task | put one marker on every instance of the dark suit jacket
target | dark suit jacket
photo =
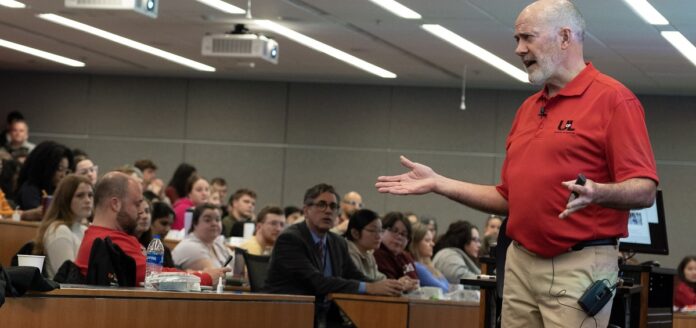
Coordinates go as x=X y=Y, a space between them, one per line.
x=296 y=269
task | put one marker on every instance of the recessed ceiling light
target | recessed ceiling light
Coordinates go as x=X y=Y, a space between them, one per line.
x=126 y=42
x=397 y=9
x=682 y=44
x=41 y=53
x=325 y=48
x=646 y=11
x=223 y=6
x=483 y=54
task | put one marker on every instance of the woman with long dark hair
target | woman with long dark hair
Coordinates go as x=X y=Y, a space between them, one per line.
x=177 y=185
x=364 y=235
x=456 y=252
x=685 y=295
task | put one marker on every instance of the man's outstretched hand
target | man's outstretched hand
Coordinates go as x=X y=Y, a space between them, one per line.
x=420 y=179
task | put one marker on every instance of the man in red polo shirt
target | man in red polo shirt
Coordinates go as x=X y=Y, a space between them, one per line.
x=117 y=200
x=582 y=121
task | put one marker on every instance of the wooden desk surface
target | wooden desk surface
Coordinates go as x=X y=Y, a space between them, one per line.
x=13 y=235
x=136 y=307
x=684 y=320
x=368 y=311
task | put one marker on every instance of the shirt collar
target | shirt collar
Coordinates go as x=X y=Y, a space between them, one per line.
x=316 y=237
x=578 y=85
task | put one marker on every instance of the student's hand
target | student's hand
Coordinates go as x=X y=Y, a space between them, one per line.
x=388 y=287
x=409 y=284
x=216 y=273
x=419 y=180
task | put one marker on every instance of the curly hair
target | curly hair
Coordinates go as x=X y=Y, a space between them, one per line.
x=42 y=163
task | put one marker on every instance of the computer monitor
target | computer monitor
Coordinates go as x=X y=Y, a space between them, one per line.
x=647 y=231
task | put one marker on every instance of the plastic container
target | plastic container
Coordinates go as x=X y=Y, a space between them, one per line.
x=177 y=282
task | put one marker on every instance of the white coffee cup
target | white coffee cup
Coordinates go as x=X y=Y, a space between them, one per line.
x=31 y=260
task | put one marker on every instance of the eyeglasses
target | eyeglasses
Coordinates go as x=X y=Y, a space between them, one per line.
x=476 y=240
x=374 y=231
x=354 y=203
x=322 y=206
x=64 y=169
x=402 y=234
x=86 y=170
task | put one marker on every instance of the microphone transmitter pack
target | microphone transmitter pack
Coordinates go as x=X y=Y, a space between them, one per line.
x=595 y=298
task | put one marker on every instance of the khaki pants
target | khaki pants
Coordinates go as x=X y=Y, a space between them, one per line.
x=543 y=292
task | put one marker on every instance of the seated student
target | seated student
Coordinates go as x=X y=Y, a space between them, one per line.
x=391 y=257
x=202 y=248
x=60 y=233
x=308 y=259
x=292 y=215
x=86 y=167
x=240 y=208
x=490 y=234
x=177 y=185
x=364 y=235
x=197 y=193
x=421 y=249
x=685 y=295
x=456 y=252
x=5 y=208
x=117 y=199
x=144 y=219
x=49 y=163
x=162 y=217
x=269 y=224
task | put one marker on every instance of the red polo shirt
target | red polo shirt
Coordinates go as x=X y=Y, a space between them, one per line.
x=128 y=245
x=594 y=126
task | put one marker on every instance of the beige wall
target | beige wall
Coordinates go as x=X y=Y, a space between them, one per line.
x=280 y=138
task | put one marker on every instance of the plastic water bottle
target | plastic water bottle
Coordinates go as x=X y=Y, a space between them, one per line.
x=155 y=259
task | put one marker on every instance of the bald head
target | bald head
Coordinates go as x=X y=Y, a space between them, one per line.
x=118 y=198
x=556 y=14
x=351 y=202
x=111 y=185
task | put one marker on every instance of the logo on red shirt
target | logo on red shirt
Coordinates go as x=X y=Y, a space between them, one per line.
x=566 y=126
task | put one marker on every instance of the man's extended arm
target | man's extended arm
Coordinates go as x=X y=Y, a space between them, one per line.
x=422 y=179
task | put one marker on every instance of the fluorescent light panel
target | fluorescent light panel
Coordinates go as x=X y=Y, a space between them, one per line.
x=646 y=11
x=325 y=48
x=126 y=42
x=223 y=6
x=397 y=9
x=483 y=54
x=41 y=53
x=682 y=44
x=12 y=4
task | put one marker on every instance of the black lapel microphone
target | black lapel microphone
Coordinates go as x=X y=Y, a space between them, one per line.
x=542 y=112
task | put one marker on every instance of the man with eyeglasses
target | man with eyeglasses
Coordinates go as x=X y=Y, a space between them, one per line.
x=308 y=259
x=351 y=203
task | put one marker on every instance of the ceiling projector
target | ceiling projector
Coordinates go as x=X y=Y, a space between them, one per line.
x=145 y=7
x=240 y=44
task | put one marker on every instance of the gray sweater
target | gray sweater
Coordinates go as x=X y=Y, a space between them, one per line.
x=455 y=264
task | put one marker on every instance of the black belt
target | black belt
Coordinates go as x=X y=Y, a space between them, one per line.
x=596 y=242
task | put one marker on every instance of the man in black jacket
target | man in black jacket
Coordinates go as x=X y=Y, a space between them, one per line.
x=308 y=259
